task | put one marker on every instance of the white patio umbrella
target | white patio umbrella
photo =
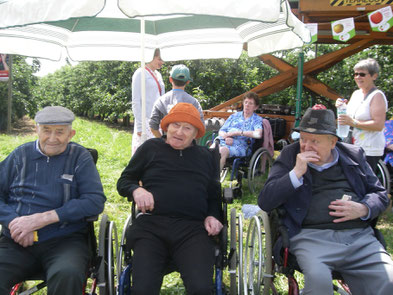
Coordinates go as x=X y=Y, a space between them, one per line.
x=111 y=30
x=115 y=29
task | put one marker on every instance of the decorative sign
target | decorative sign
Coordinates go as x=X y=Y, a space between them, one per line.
x=313 y=27
x=4 y=69
x=381 y=20
x=343 y=29
x=359 y=2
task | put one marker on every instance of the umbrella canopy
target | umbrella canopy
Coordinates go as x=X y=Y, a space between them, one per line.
x=111 y=29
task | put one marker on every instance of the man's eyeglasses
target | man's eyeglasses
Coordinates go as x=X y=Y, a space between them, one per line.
x=360 y=74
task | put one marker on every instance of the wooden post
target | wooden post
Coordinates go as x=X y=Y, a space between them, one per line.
x=9 y=103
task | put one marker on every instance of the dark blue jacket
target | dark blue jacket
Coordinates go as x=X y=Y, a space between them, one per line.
x=69 y=183
x=278 y=189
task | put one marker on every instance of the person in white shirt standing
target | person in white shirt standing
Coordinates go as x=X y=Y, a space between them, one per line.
x=366 y=111
x=154 y=89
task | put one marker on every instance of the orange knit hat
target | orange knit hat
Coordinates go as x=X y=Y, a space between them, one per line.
x=184 y=112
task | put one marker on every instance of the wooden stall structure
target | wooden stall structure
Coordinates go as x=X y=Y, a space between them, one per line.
x=321 y=12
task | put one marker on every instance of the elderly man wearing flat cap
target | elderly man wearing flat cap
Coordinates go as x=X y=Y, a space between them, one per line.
x=47 y=189
x=172 y=181
x=330 y=196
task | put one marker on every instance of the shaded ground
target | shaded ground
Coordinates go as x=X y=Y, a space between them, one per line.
x=23 y=126
x=26 y=126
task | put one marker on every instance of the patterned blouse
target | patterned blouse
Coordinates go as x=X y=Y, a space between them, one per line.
x=237 y=122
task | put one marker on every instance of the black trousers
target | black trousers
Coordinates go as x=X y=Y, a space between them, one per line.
x=159 y=241
x=63 y=261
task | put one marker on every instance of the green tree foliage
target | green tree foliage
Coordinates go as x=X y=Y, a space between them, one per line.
x=22 y=90
x=103 y=89
x=91 y=89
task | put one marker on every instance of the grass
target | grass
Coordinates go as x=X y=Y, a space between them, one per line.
x=114 y=149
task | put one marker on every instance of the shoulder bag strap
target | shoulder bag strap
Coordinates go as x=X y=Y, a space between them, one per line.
x=155 y=78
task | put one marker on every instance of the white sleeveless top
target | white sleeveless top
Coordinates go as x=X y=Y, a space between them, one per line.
x=373 y=142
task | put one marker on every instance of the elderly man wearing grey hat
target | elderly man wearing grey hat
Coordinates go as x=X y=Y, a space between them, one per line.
x=179 y=78
x=331 y=196
x=47 y=189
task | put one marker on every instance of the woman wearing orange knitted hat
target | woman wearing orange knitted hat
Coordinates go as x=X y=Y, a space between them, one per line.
x=179 y=203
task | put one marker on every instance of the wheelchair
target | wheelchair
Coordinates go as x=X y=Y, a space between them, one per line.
x=268 y=228
x=101 y=269
x=255 y=168
x=225 y=258
x=383 y=173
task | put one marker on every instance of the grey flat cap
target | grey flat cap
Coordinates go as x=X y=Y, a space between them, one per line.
x=54 y=115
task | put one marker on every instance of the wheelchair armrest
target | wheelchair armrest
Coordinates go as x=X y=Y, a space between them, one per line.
x=228 y=195
x=94 y=154
x=91 y=218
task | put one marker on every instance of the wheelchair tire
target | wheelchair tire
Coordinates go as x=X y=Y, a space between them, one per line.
x=268 y=265
x=106 y=246
x=383 y=175
x=258 y=257
x=236 y=261
x=258 y=170
x=123 y=267
x=121 y=263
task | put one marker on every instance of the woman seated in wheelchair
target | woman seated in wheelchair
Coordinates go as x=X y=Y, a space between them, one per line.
x=239 y=128
x=179 y=202
x=330 y=195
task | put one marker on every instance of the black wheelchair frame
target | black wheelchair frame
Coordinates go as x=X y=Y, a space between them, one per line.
x=254 y=168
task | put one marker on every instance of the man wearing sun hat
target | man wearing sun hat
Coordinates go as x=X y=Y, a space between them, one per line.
x=180 y=205
x=331 y=196
x=179 y=78
x=47 y=189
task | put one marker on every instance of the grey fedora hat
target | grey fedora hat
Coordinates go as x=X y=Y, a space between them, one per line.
x=318 y=122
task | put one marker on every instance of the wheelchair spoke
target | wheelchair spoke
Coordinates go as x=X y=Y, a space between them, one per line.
x=258 y=258
x=258 y=171
x=236 y=245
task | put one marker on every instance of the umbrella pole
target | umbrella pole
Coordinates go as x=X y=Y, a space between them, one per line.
x=299 y=88
x=143 y=80
x=9 y=103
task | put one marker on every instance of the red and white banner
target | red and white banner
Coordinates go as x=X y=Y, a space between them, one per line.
x=4 y=69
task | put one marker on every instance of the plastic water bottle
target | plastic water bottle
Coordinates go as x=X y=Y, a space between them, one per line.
x=342 y=130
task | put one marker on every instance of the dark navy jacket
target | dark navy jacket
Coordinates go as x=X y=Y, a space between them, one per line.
x=278 y=189
x=69 y=183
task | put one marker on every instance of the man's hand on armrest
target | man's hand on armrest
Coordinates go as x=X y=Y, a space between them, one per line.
x=212 y=225
x=143 y=199
x=22 y=228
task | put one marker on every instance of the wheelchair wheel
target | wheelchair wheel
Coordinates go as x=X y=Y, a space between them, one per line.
x=383 y=175
x=236 y=261
x=258 y=256
x=258 y=170
x=121 y=259
x=107 y=250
